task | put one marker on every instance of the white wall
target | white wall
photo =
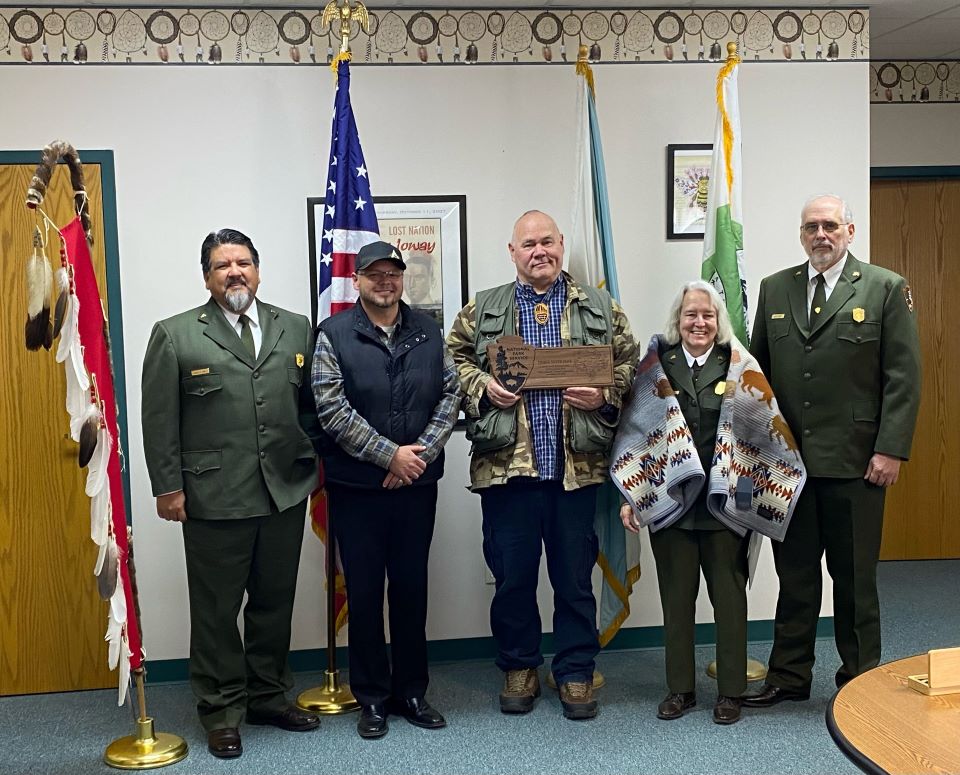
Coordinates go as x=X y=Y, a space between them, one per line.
x=914 y=135
x=201 y=148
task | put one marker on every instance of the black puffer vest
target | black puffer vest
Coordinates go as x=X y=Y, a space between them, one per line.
x=395 y=392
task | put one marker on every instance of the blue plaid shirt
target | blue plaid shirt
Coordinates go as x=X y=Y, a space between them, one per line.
x=544 y=407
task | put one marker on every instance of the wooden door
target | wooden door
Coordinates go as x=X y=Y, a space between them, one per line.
x=915 y=232
x=52 y=622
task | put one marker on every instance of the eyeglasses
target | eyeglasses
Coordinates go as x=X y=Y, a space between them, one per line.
x=377 y=276
x=829 y=227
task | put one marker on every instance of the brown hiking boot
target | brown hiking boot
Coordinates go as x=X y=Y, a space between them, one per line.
x=520 y=689
x=576 y=697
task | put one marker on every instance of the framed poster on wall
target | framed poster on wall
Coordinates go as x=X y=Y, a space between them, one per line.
x=688 y=180
x=431 y=233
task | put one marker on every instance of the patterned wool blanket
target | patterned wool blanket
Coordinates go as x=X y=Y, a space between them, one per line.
x=756 y=475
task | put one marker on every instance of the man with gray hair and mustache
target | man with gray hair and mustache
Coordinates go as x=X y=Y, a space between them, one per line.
x=228 y=416
x=837 y=339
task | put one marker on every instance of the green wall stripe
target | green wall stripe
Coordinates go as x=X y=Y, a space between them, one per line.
x=466 y=649
x=933 y=171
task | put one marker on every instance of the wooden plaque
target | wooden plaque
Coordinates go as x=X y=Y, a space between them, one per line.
x=520 y=366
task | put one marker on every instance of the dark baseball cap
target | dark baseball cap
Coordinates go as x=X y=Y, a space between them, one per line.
x=378 y=251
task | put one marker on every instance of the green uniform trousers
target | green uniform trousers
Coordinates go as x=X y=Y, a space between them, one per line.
x=225 y=558
x=680 y=554
x=844 y=519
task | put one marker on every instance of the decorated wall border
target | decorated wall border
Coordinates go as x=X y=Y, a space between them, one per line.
x=253 y=36
x=913 y=81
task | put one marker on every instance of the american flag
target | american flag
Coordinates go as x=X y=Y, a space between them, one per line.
x=349 y=223
x=349 y=218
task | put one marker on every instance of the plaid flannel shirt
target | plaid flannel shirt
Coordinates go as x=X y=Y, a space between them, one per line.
x=544 y=407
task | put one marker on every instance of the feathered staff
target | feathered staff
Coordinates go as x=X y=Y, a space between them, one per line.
x=38 y=331
x=84 y=351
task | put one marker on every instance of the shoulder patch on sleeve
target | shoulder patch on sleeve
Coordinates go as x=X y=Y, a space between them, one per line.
x=908 y=297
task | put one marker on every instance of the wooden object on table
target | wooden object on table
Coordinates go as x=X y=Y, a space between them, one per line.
x=942 y=676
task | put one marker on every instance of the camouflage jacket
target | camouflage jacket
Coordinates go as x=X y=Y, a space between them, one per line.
x=497 y=466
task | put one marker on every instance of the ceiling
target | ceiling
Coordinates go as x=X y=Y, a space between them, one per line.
x=899 y=29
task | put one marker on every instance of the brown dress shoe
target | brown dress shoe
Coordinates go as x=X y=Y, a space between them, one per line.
x=674 y=705
x=291 y=718
x=726 y=711
x=225 y=743
x=770 y=695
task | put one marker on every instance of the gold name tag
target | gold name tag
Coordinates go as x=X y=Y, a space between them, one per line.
x=720 y=388
x=777 y=316
x=198 y=372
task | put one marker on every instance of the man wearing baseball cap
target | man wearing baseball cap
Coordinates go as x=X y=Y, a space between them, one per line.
x=387 y=397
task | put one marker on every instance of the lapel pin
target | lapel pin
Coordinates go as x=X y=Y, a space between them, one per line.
x=856 y=274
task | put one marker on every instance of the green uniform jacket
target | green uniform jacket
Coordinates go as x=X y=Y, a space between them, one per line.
x=851 y=386
x=233 y=433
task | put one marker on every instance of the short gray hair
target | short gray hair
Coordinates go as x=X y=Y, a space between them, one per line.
x=847 y=212
x=671 y=331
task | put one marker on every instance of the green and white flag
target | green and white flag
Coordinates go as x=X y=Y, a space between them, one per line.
x=723 y=232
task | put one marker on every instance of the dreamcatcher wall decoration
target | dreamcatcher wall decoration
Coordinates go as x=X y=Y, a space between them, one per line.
x=436 y=36
x=909 y=82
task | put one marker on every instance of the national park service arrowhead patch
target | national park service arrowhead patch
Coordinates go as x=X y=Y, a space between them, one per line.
x=908 y=297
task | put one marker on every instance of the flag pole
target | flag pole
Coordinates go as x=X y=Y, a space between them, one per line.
x=756 y=671
x=335 y=697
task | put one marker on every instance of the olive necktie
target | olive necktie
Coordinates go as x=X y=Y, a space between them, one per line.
x=246 y=335
x=819 y=299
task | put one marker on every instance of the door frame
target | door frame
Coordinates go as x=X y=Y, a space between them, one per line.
x=108 y=184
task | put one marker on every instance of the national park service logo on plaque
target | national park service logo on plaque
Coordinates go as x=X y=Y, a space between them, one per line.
x=511 y=360
x=518 y=365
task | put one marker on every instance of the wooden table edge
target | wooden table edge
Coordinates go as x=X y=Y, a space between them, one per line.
x=848 y=749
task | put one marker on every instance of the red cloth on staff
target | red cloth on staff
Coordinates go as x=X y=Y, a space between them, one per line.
x=96 y=357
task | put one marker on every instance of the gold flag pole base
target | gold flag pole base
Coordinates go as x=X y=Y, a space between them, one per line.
x=331 y=699
x=146 y=749
x=756 y=671
x=598 y=680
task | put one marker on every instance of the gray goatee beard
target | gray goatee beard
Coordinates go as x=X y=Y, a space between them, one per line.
x=238 y=299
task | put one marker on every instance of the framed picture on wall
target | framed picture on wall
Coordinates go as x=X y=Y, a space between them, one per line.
x=688 y=179
x=431 y=232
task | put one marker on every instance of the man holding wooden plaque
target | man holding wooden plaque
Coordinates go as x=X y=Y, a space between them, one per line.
x=541 y=422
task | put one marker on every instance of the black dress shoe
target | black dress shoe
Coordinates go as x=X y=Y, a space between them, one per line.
x=674 y=705
x=372 y=722
x=726 y=711
x=224 y=743
x=419 y=712
x=291 y=718
x=770 y=695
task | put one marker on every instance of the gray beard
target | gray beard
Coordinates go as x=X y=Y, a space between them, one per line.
x=238 y=299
